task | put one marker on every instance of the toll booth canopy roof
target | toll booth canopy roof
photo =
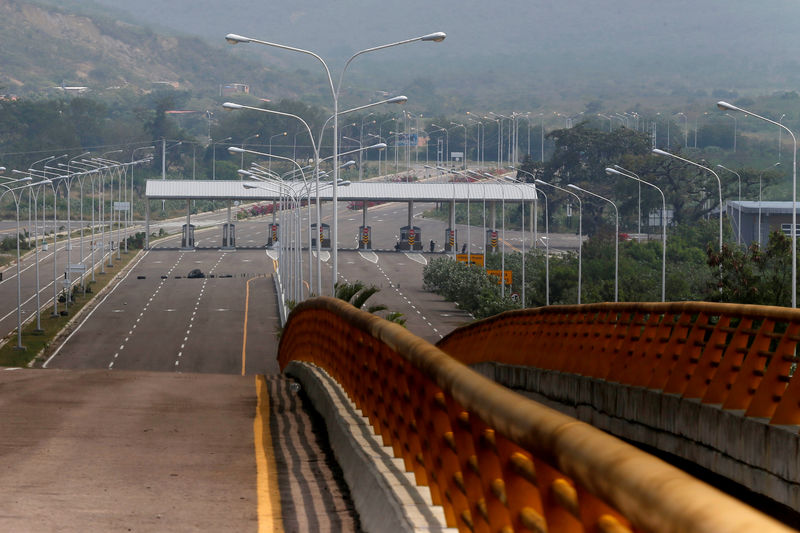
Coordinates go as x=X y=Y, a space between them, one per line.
x=355 y=192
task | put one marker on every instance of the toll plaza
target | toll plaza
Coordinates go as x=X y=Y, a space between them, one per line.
x=364 y=194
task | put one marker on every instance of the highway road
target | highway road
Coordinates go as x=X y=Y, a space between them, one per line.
x=156 y=318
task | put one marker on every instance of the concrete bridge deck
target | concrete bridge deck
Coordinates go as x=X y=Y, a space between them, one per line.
x=98 y=450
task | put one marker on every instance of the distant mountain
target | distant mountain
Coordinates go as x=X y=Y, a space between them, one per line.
x=505 y=55
x=44 y=48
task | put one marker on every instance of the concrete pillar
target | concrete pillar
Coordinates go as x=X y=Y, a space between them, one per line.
x=146 y=224
x=410 y=214
x=364 y=214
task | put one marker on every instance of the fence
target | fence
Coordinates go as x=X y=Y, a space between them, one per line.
x=494 y=460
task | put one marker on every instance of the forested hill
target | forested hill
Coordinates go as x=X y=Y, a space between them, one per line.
x=44 y=46
x=511 y=54
x=510 y=49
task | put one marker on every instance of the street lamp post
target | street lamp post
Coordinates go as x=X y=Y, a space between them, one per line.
x=760 y=176
x=698 y=165
x=739 y=223
x=619 y=171
x=361 y=142
x=432 y=37
x=616 y=236
x=465 y=142
x=734 y=130
x=380 y=134
x=546 y=249
x=580 y=229
x=130 y=207
x=685 y=127
x=446 y=158
x=269 y=162
x=730 y=107
x=214 y=156
x=35 y=196
x=254 y=136
x=12 y=190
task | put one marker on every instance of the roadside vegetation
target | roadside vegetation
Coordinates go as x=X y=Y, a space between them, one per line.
x=696 y=270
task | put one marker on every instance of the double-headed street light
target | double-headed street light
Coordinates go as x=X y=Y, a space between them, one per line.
x=465 y=142
x=269 y=163
x=616 y=236
x=739 y=223
x=619 y=171
x=232 y=38
x=580 y=228
x=725 y=106
x=698 y=165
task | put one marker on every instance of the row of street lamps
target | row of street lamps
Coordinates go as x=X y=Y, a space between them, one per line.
x=54 y=176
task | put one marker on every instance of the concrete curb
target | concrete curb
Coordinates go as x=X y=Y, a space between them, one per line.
x=385 y=495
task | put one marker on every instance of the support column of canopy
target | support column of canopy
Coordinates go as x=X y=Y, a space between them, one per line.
x=365 y=235
x=454 y=242
x=146 y=224
x=228 y=235
x=188 y=234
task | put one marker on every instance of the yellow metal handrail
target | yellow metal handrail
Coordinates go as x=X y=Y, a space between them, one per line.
x=494 y=460
x=739 y=357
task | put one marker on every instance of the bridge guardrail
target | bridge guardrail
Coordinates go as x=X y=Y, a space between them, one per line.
x=739 y=357
x=493 y=459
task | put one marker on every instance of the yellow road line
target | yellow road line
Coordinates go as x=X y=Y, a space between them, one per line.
x=269 y=503
x=244 y=332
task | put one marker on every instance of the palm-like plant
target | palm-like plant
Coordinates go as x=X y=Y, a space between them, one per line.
x=357 y=294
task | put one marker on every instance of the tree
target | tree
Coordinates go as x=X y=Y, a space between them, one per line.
x=581 y=155
x=357 y=294
x=753 y=275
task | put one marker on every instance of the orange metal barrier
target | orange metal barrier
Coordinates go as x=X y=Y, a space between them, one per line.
x=740 y=357
x=494 y=460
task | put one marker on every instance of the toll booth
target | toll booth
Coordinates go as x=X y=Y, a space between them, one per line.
x=324 y=236
x=450 y=239
x=187 y=236
x=228 y=235
x=273 y=229
x=492 y=241
x=365 y=237
x=410 y=238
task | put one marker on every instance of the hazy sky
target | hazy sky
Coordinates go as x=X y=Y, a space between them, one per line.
x=586 y=47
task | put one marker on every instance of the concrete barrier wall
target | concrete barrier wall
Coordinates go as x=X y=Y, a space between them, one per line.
x=384 y=494
x=748 y=451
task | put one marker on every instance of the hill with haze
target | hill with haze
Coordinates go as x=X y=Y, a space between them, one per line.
x=511 y=54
